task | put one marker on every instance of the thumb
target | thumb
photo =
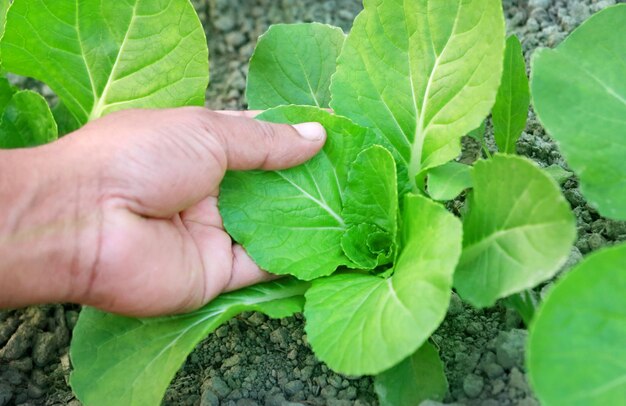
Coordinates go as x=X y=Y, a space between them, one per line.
x=252 y=144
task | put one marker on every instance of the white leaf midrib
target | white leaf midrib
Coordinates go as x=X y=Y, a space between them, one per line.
x=100 y=101
x=320 y=202
x=417 y=144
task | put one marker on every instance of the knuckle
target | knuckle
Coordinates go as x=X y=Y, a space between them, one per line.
x=267 y=132
x=269 y=138
x=212 y=135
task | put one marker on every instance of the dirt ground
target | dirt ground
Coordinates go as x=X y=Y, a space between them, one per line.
x=256 y=361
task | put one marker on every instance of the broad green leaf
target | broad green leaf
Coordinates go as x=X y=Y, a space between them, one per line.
x=577 y=342
x=290 y=221
x=6 y=93
x=65 y=120
x=478 y=133
x=447 y=181
x=518 y=232
x=364 y=324
x=557 y=173
x=579 y=94
x=26 y=121
x=421 y=73
x=103 y=56
x=417 y=378
x=125 y=361
x=4 y=8
x=292 y=64
x=511 y=108
x=370 y=208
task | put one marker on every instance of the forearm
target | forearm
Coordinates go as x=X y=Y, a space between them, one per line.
x=42 y=229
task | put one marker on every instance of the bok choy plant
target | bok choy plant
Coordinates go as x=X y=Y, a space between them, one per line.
x=369 y=252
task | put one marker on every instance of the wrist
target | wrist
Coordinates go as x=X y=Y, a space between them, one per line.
x=47 y=236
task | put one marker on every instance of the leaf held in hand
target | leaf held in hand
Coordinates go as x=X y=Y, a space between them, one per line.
x=290 y=221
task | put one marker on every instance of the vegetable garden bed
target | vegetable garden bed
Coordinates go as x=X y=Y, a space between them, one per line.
x=254 y=360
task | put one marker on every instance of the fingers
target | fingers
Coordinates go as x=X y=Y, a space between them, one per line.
x=245 y=272
x=227 y=267
x=161 y=162
x=240 y=113
x=251 y=144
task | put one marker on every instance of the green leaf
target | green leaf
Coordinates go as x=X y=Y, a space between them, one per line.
x=422 y=74
x=125 y=361
x=364 y=324
x=290 y=221
x=65 y=120
x=370 y=208
x=518 y=232
x=511 y=109
x=478 y=133
x=524 y=303
x=579 y=94
x=576 y=350
x=447 y=181
x=100 y=57
x=557 y=173
x=292 y=64
x=4 y=8
x=417 y=378
x=27 y=121
x=6 y=93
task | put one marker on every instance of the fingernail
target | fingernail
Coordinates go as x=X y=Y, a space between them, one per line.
x=310 y=131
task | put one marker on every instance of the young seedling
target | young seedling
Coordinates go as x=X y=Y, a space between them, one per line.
x=511 y=108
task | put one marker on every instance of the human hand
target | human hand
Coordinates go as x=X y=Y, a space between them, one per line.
x=140 y=230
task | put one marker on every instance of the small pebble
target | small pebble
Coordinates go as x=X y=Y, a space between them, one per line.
x=494 y=370
x=518 y=380
x=544 y=4
x=473 y=385
x=6 y=393
x=329 y=392
x=231 y=361
x=19 y=342
x=510 y=348
x=44 y=348
x=293 y=387
x=219 y=387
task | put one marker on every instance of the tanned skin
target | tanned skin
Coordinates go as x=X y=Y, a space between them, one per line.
x=122 y=214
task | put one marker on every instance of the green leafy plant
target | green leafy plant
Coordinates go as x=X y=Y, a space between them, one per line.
x=25 y=118
x=511 y=107
x=372 y=256
x=576 y=353
x=578 y=94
